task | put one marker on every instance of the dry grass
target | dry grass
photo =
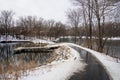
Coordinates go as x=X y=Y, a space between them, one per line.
x=12 y=71
x=62 y=52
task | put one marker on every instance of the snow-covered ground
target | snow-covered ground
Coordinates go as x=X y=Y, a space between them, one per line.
x=114 y=38
x=83 y=37
x=9 y=38
x=63 y=69
x=34 y=40
x=41 y=41
x=60 y=69
x=111 y=65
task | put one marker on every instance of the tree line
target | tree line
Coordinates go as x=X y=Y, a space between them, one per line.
x=90 y=18
x=30 y=26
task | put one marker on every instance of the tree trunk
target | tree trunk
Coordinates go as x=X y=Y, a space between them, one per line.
x=90 y=23
x=100 y=47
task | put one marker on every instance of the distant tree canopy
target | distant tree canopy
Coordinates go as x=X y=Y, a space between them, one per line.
x=34 y=26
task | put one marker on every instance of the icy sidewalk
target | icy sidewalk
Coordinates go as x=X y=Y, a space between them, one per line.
x=110 y=64
x=57 y=70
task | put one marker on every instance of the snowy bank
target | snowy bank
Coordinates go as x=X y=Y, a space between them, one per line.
x=34 y=40
x=114 y=38
x=60 y=69
x=110 y=64
x=41 y=41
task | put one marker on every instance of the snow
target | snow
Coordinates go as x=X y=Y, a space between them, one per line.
x=83 y=37
x=63 y=69
x=114 y=38
x=34 y=40
x=110 y=64
x=42 y=41
x=9 y=38
x=57 y=70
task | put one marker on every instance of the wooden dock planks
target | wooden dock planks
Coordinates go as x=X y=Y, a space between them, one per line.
x=34 y=50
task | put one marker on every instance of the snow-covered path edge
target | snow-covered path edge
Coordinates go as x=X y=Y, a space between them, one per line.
x=62 y=70
x=110 y=64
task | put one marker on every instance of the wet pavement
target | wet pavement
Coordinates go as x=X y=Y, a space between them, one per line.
x=93 y=70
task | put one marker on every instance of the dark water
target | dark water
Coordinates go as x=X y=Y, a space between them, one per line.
x=19 y=64
x=9 y=59
x=93 y=70
x=111 y=48
x=6 y=51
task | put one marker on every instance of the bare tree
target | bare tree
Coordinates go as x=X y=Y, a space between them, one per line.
x=26 y=24
x=97 y=9
x=86 y=7
x=6 y=19
x=100 y=9
x=50 y=24
x=74 y=17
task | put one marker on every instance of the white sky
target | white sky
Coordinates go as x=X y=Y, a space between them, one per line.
x=47 y=9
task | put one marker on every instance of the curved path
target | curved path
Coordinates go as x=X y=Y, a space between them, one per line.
x=93 y=70
x=110 y=65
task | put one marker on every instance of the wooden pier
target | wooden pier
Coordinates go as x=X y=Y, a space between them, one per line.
x=20 y=50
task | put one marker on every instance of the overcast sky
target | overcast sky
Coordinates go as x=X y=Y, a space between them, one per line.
x=47 y=9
